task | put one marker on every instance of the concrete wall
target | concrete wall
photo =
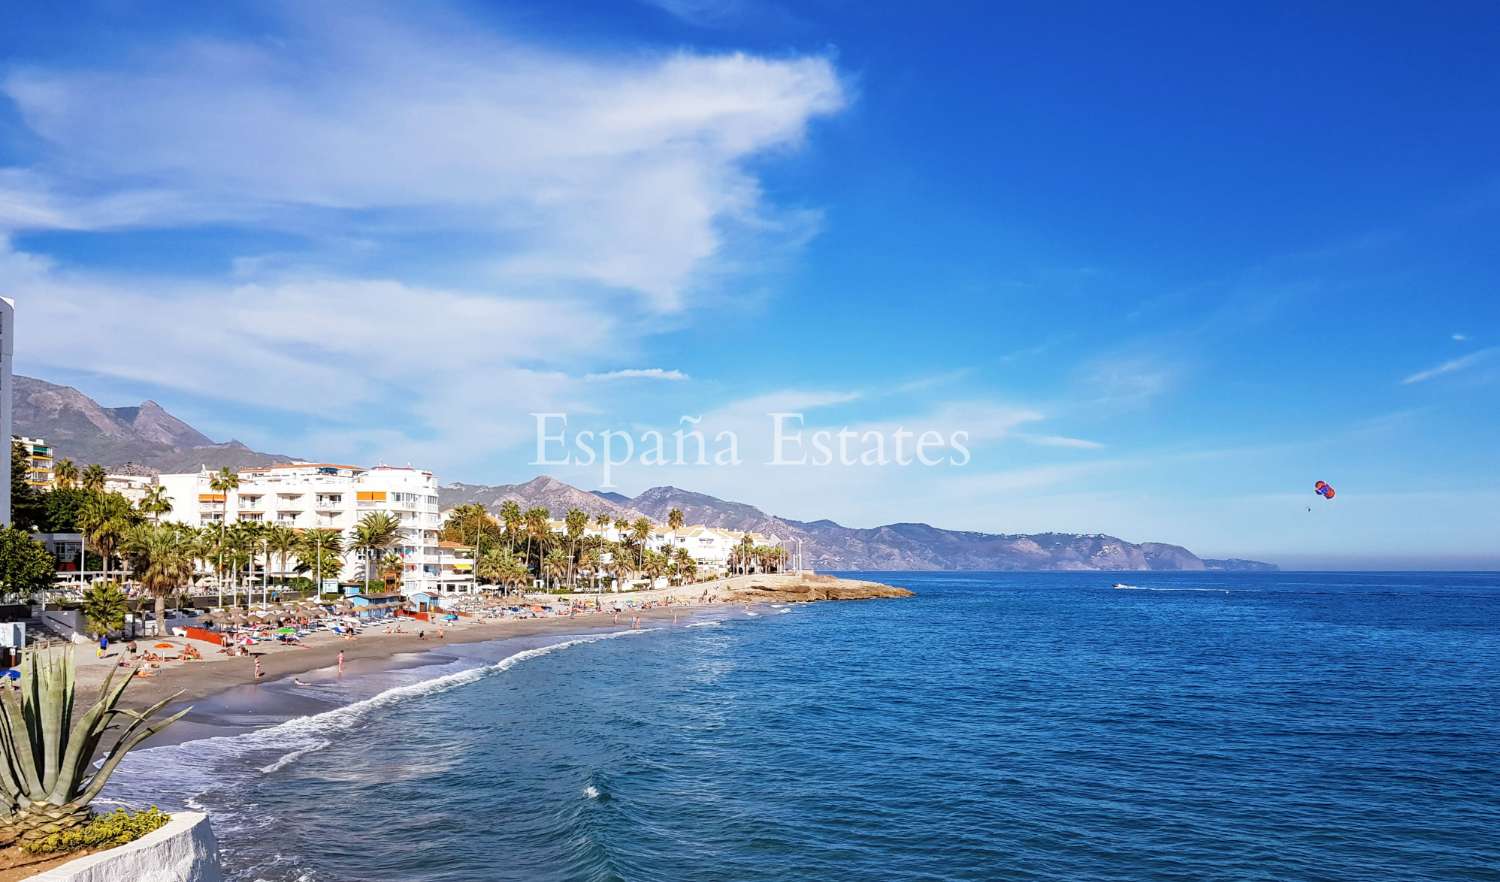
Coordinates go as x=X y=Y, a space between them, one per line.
x=64 y=621
x=182 y=851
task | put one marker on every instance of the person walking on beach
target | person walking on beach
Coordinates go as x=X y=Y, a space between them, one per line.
x=341 y=663
x=103 y=645
x=258 y=672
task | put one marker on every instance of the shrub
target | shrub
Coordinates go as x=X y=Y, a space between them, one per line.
x=116 y=828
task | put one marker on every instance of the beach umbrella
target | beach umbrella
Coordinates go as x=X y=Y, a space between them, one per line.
x=164 y=646
x=286 y=630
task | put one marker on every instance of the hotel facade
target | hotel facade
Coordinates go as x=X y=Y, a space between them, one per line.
x=304 y=495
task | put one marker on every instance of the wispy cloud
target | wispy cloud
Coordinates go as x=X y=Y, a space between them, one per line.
x=546 y=161
x=637 y=374
x=1062 y=441
x=1460 y=338
x=1453 y=365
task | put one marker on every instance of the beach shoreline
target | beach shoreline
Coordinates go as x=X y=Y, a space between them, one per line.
x=386 y=645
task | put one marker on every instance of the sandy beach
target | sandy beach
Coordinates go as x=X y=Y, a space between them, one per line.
x=380 y=642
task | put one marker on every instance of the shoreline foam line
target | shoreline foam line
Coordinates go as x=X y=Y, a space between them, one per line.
x=309 y=734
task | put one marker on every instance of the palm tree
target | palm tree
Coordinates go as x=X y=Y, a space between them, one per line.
x=640 y=531
x=536 y=528
x=93 y=478
x=588 y=561
x=510 y=515
x=654 y=564
x=162 y=557
x=65 y=474
x=240 y=542
x=619 y=567
x=601 y=520
x=103 y=520
x=577 y=520
x=674 y=519
x=104 y=608
x=391 y=567
x=222 y=483
x=556 y=566
x=155 y=503
x=282 y=541
x=746 y=546
x=375 y=534
x=686 y=566
x=316 y=548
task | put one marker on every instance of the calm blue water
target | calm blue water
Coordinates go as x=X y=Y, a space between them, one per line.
x=998 y=726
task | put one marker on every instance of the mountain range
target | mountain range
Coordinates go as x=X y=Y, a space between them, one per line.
x=147 y=437
x=830 y=546
x=143 y=437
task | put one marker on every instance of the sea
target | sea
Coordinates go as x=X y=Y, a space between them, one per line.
x=1185 y=726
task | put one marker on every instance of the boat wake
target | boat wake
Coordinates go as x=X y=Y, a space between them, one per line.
x=1123 y=587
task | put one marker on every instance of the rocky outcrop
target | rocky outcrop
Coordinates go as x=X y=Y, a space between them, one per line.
x=807 y=589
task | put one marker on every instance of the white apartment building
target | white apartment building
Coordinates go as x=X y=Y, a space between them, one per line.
x=38 y=460
x=305 y=495
x=132 y=487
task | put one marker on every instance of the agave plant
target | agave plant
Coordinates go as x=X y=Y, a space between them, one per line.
x=46 y=758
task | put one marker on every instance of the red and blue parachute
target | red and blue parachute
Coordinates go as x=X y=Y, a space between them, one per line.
x=1323 y=489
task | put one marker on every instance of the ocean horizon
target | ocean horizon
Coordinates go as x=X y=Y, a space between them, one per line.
x=1256 y=726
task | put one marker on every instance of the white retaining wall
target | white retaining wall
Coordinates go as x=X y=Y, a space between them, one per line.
x=182 y=851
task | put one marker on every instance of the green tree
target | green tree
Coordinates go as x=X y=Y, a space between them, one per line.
x=640 y=531
x=687 y=568
x=577 y=520
x=555 y=566
x=375 y=534
x=104 y=608
x=675 y=519
x=500 y=566
x=65 y=474
x=155 y=503
x=536 y=531
x=26 y=509
x=25 y=566
x=103 y=521
x=162 y=557
x=588 y=561
x=511 y=517
x=93 y=478
x=223 y=483
x=321 y=551
x=60 y=508
x=281 y=541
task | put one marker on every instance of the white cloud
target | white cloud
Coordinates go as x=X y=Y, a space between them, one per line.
x=1460 y=338
x=569 y=192
x=620 y=173
x=638 y=374
x=1451 y=366
x=1062 y=441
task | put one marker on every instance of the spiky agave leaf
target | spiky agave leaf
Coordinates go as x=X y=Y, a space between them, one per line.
x=45 y=757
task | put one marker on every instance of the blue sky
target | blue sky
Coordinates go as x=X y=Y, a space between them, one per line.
x=1167 y=266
